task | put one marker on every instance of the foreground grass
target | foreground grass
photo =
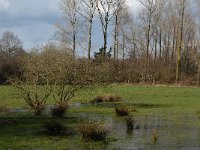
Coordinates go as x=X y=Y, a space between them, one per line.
x=25 y=130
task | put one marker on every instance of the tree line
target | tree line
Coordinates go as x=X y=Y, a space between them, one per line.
x=157 y=43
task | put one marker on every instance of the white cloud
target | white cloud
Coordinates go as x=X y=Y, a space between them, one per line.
x=134 y=5
x=4 y=4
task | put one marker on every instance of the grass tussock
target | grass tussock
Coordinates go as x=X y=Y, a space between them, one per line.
x=107 y=98
x=94 y=130
x=122 y=110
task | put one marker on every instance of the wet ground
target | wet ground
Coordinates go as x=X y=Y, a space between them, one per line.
x=153 y=132
x=168 y=134
x=169 y=131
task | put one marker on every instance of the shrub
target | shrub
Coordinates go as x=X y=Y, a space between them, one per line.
x=106 y=98
x=54 y=128
x=94 y=130
x=122 y=111
x=130 y=123
x=59 y=110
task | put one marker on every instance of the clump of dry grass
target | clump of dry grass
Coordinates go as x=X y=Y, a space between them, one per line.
x=59 y=109
x=107 y=98
x=122 y=110
x=94 y=130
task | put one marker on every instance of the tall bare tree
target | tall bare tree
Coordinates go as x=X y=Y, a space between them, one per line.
x=69 y=30
x=87 y=10
x=121 y=18
x=105 y=11
x=183 y=5
x=148 y=18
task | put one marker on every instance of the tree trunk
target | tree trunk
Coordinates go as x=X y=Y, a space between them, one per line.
x=155 y=52
x=174 y=45
x=90 y=39
x=105 y=32
x=74 y=45
x=178 y=69
x=115 y=37
x=160 y=35
x=123 y=49
x=105 y=44
x=148 y=41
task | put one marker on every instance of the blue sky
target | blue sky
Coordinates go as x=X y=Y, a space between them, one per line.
x=32 y=20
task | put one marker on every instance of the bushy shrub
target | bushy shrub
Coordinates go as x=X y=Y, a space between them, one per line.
x=106 y=98
x=59 y=110
x=54 y=128
x=122 y=111
x=94 y=130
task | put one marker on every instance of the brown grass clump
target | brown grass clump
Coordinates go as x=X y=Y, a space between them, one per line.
x=94 y=130
x=122 y=111
x=107 y=98
x=59 y=109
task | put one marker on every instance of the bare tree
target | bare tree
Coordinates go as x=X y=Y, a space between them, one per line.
x=11 y=52
x=87 y=11
x=69 y=31
x=105 y=11
x=148 y=18
x=10 y=44
x=183 y=5
x=33 y=75
x=67 y=75
x=121 y=18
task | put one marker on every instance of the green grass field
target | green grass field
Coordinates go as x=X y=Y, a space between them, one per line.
x=180 y=98
x=24 y=133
